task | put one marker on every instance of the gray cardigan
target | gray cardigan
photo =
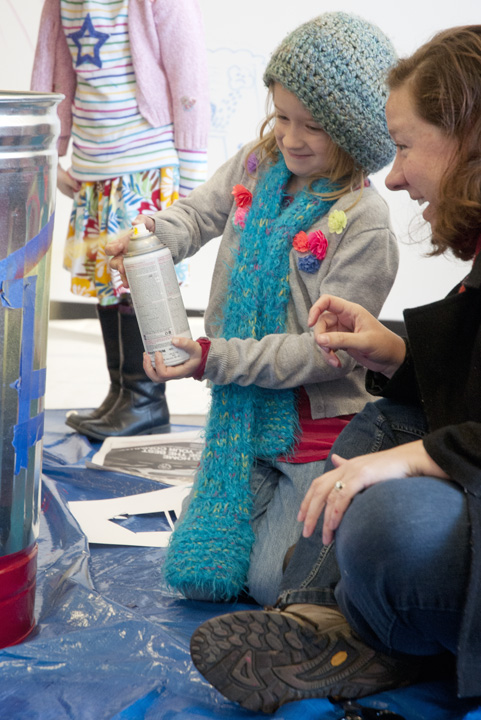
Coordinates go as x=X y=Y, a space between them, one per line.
x=360 y=265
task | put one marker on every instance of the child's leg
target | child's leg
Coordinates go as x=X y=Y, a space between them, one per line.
x=109 y=324
x=279 y=489
x=141 y=407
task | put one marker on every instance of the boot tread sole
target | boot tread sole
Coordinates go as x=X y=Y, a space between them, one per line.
x=275 y=659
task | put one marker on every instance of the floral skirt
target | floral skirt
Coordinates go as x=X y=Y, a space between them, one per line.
x=103 y=209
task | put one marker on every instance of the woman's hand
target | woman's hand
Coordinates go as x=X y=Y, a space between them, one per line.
x=162 y=372
x=66 y=183
x=343 y=325
x=117 y=247
x=358 y=474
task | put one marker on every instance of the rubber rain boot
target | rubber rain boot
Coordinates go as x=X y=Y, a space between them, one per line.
x=141 y=408
x=110 y=327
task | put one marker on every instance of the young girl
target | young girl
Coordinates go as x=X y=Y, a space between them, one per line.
x=402 y=500
x=297 y=216
x=134 y=73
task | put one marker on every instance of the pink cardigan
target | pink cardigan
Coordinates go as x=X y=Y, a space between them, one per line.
x=170 y=64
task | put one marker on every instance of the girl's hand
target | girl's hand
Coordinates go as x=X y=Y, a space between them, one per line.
x=343 y=325
x=355 y=475
x=117 y=247
x=161 y=372
x=66 y=183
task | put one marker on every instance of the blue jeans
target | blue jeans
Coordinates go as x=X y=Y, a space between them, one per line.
x=398 y=568
x=278 y=489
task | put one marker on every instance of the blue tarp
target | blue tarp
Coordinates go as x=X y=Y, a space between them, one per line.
x=112 y=641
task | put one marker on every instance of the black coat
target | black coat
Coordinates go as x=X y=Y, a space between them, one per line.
x=442 y=372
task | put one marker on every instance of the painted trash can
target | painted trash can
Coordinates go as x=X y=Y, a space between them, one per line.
x=29 y=130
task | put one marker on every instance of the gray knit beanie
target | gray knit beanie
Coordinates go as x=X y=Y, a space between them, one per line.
x=336 y=65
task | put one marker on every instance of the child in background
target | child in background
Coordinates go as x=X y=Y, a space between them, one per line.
x=134 y=73
x=298 y=216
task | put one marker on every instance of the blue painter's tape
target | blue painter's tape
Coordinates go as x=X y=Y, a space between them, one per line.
x=11 y=293
x=26 y=435
x=22 y=261
x=28 y=346
x=19 y=292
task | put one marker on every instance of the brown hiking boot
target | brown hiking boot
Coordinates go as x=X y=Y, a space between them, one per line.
x=263 y=659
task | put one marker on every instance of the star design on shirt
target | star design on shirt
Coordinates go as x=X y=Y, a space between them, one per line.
x=86 y=32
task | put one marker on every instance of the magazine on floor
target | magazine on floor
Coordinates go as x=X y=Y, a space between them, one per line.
x=170 y=458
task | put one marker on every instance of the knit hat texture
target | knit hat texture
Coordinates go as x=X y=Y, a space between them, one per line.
x=336 y=65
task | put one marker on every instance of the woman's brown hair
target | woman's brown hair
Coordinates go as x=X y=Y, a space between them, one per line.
x=444 y=78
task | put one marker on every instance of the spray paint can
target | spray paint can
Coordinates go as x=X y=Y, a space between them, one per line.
x=156 y=295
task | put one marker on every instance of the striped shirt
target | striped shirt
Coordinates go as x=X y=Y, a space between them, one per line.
x=109 y=135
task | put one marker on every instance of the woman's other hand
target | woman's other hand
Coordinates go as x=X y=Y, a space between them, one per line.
x=335 y=489
x=343 y=325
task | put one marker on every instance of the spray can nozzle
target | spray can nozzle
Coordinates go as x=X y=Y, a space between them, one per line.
x=142 y=241
x=140 y=230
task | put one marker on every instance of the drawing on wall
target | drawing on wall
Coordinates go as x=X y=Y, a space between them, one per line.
x=238 y=101
x=238 y=97
x=18 y=33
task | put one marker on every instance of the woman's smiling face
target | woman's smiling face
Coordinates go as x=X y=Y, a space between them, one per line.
x=424 y=151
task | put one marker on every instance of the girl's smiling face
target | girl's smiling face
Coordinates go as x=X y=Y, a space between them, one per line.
x=424 y=151
x=305 y=146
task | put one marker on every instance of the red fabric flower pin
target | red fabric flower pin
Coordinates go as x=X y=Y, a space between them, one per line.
x=242 y=196
x=300 y=242
x=317 y=244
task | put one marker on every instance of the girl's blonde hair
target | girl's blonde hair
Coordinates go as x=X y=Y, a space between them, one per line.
x=444 y=80
x=344 y=172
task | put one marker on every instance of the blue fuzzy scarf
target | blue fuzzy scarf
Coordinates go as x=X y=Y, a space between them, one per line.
x=208 y=555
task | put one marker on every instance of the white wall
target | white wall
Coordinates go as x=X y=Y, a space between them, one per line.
x=239 y=39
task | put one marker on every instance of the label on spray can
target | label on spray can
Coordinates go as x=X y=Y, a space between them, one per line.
x=156 y=296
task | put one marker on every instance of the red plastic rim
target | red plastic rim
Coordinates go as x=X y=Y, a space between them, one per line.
x=18 y=573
